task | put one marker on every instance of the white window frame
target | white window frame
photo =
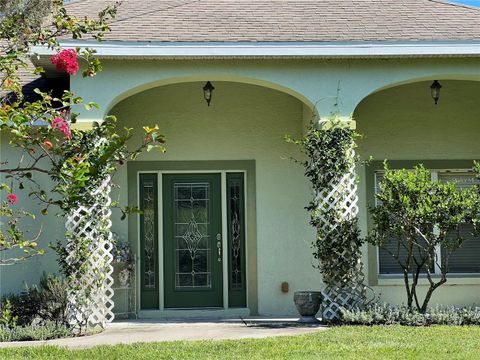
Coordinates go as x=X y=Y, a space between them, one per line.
x=438 y=251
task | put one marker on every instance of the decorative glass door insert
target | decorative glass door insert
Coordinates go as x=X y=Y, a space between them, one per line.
x=192 y=225
x=192 y=240
x=149 y=241
x=236 y=239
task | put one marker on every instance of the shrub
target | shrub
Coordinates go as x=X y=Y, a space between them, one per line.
x=53 y=300
x=34 y=332
x=384 y=314
x=45 y=302
x=23 y=306
x=7 y=319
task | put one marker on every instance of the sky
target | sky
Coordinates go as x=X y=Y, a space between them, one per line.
x=468 y=2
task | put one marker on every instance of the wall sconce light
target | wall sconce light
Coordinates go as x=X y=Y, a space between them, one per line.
x=435 y=91
x=207 y=92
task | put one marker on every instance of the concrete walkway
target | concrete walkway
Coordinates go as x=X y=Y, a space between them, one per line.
x=134 y=331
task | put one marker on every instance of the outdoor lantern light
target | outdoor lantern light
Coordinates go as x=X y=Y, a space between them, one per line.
x=435 y=89
x=207 y=92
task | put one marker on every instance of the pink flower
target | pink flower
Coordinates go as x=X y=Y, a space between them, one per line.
x=12 y=199
x=57 y=122
x=62 y=125
x=66 y=60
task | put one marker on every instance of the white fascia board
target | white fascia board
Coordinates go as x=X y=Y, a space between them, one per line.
x=121 y=49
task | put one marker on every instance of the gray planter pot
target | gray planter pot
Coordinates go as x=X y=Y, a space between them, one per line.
x=308 y=304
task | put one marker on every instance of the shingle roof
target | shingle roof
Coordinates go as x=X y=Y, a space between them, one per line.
x=286 y=20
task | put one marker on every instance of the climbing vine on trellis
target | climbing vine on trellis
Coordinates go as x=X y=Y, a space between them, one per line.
x=83 y=180
x=330 y=167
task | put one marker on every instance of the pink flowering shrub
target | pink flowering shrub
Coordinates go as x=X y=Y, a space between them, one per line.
x=66 y=60
x=12 y=199
x=62 y=125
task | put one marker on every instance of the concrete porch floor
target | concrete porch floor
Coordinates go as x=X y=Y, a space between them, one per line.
x=134 y=331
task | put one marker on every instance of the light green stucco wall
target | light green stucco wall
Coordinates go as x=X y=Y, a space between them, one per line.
x=12 y=277
x=244 y=122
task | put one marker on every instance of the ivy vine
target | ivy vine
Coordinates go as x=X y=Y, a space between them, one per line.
x=330 y=156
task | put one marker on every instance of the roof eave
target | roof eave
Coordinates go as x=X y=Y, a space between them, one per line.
x=132 y=50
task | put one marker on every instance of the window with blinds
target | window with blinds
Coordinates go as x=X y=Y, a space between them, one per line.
x=465 y=260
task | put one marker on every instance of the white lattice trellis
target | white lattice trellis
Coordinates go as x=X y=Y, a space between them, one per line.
x=337 y=203
x=90 y=294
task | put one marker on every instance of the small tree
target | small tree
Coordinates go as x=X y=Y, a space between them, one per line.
x=73 y=159
x=79 y=163
x=418 y=215
x=24 y=24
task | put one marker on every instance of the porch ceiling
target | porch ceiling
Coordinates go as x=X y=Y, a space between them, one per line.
x=403 y=122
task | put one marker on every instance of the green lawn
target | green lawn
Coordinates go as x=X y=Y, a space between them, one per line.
x=395 y=342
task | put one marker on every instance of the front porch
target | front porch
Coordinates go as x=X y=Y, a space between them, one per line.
x=243 y=131
x=210 y=239
x=254 y=105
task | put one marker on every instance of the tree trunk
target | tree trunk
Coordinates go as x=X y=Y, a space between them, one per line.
x=430 y=291
x=407 y=287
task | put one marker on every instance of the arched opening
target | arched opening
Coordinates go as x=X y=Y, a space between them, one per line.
x=240 y=116
x=403 y=125
x=239 y=140
x=426 y=78
x=214 y=78
x=403 y=122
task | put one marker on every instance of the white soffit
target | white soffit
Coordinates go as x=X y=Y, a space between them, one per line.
x=120 y=49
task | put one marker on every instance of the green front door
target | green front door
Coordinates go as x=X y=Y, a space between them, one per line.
x=192 y=242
